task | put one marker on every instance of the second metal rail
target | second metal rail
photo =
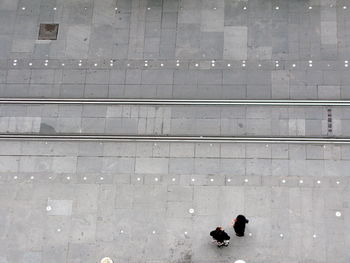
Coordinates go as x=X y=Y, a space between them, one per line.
x=150 y=138
x=175 y=102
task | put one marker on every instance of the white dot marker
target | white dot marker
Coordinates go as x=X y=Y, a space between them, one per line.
x=337 y=182
x=23 y=8
x=211 y=180
x=229 y=180
x=191 y=210
x=318 y=181
x=196 y=65
x=55 y=8
x=153 y=232
x=229 y=65
x=338 y=214
x=244 y=8
x=15 y=60
x=259 y=65
x=32 y=177
x=277 y=7
x=68 y=177
x=173 y=179
x=15 y=177
x=15 y=64
x=281 y=235
x=250 y=234
x=283 y=181
x=301 y=181
x=345 y=7
x=138 y=179
x=246 y=180
x=243 y=65
x=310 y=7
x=85 y=178
x=79 y=64
x=148 y=8
x=156 y=179
x=146 y=65
x=95 y=64
x=30 y=64
x=121 y=231
x=48 y=208
x=346 y=65
x=162 y=65
x=185 y=233
x=62 y=64
x=214 y=8
x=294 y=65
x=177 y=64
x=115 y=8
x=111 y=64
x=101 y=178
x=314 y=235
x=193 y=179
x=58 y=229
x=50 y=178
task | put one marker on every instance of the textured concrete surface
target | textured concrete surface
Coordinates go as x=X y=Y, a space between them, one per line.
x=69 y=202
x=78 y=202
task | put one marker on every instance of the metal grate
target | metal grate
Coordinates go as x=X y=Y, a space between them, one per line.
x=329 y=121
x=48 y=32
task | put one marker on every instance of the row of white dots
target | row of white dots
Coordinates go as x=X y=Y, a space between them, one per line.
x=214 y=8
x=244 y=63
x=246 y=180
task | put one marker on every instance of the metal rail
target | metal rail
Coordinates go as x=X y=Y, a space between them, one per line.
x=176 y=102
x=145 y=138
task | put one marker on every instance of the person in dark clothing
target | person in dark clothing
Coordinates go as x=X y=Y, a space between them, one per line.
x=239 y=225
x=220 y=236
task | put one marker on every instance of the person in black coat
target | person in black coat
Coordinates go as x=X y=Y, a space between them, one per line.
x=220 y=236
x=239 y=225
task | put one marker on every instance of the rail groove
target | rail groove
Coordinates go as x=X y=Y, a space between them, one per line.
x=146 y=138
x=176 y=102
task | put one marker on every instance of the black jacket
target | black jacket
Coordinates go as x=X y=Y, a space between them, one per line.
x=220 y=235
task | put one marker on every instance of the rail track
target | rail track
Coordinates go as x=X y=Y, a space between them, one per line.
x=175 y=102
x=150 y=138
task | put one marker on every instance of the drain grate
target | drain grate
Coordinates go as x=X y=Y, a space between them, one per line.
x=48 y=32
x=329 y=121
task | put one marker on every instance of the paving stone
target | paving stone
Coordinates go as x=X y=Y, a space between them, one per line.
x=59 y=207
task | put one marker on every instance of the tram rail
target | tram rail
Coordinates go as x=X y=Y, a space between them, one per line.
x=152 y=138
x=175 y=102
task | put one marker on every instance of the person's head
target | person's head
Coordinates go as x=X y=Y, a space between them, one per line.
x=219 y=228
x=240 y=217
